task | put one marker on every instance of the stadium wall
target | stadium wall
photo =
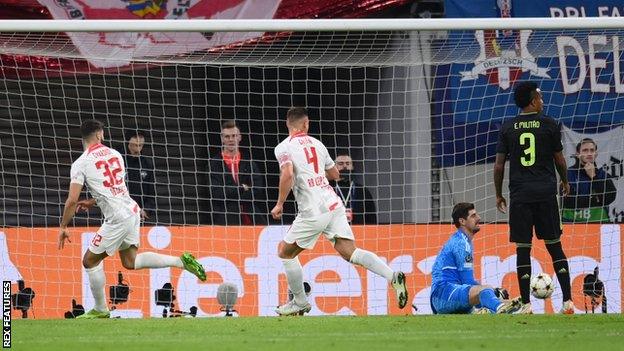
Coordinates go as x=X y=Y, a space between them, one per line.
x=247 y=257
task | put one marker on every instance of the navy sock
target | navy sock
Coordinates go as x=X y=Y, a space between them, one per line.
x=560 y=263
x=523 y=268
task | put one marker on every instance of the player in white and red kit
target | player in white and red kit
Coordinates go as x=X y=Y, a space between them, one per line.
x=102 y=170
x=305 y=167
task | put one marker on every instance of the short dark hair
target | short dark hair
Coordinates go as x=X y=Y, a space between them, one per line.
x=295 y=114
x=524 y=93
x=585 y=141
x=230 y=123
x=461 y=210
x=134 y=134
x=89 y=127
x=343 y=152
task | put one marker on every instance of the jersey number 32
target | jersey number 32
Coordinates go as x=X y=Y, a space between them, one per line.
x=111 y=168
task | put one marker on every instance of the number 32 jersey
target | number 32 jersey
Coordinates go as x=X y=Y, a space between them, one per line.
x=310 y=159
x=530 y=141
x=102 y=169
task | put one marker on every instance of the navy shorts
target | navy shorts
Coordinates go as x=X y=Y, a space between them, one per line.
x=544 y=216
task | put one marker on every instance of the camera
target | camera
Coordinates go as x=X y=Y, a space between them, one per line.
x=119 y=293
x=593 y=288
x=76 y=310
x=165 y=297
x=22 y=300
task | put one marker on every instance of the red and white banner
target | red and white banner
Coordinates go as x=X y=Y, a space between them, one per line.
x=118 y=49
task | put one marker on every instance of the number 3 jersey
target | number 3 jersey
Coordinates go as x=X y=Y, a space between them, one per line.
x=310 y=159
x=102 y=170
x=530 y=141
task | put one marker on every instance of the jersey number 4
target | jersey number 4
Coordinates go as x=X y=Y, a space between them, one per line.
x=111 y=168
x=528 y=140
x=312 y=158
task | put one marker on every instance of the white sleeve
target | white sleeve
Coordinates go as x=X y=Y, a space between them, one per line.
x=122 y=160
x=77 y=173
x=329 y=162
x=282 y=155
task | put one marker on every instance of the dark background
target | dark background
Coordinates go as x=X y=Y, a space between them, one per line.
x=181 y=109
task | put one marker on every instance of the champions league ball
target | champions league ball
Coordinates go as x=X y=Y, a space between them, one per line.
x=542 y=286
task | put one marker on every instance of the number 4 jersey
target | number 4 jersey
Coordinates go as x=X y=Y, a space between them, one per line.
x=530 y=141
x=102 y=170
x=310 y=159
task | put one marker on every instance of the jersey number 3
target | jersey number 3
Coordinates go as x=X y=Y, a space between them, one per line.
x=528 y=140
x=111 y=168
x=312 y=158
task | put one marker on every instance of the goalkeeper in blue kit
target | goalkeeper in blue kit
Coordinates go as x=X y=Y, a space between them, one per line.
x=454 y=289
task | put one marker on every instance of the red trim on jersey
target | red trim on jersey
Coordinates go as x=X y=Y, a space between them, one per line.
x=136 y=208
x=333 y=207
x=298 y=134
x=94 y=147
x=284 y=158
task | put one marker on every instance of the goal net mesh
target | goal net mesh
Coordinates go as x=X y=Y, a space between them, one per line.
x=418 y=112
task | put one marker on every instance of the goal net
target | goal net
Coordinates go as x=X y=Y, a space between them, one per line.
x=416 y=104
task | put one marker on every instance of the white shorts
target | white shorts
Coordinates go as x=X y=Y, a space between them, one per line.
x=116 y=236
x=306 y=231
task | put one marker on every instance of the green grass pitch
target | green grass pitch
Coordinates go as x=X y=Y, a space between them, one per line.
x=456 y=332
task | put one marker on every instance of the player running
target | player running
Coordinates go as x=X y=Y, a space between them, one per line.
x=453 y=288
x=306 y=167
x=102 y=170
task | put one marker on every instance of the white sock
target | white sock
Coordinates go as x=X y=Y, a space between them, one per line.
x=97 y=280
x=294 y=274
x=372 y=262
x=156 y=260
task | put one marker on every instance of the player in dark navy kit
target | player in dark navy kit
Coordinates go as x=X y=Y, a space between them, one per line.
x=532 y=143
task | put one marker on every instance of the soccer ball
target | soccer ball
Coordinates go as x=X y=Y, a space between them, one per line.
x=542 y=286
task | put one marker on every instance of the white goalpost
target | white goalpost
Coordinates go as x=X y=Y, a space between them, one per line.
x=416 y=103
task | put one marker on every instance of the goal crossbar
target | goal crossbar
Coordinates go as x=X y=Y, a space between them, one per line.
x=278 y=25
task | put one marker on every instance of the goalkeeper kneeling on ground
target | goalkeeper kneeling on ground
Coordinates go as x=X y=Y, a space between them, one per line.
x=454 y=289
